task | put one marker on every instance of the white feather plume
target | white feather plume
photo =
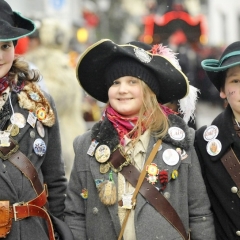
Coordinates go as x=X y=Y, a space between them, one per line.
x=187 y=105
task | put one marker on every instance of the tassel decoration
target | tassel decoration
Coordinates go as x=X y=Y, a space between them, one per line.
x=107 y=191
x=163 y=178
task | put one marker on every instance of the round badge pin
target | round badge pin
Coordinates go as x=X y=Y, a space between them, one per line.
x=40 y=129
x=214 y=147
x=170 y=157
x=152 y=179
x=41 y=113
x=39 y=147
x=152 y=169
x=32 y=134
x=104 y=167
x=13 y=129
x=176 y=133
x=18 y=119
x=34 y=96
x=102 y=153
x=210 y=133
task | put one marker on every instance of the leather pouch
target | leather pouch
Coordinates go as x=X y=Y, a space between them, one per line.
x=5 y=218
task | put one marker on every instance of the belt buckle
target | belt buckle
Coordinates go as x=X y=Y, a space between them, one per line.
x=6 y=152
x=116 y=170
x=124 y=164
x=15 y=211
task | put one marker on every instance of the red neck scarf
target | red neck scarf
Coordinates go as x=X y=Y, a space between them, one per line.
x=124 y=125
x=4 y=83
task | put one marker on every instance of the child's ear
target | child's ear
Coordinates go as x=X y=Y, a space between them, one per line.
x=222 y=94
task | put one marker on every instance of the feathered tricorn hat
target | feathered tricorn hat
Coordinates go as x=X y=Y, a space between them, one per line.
x=105 y=60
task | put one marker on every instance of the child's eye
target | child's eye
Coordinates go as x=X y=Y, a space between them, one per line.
x=115 y=82
x=236 y=80
x=133 y=81
x=6 y=46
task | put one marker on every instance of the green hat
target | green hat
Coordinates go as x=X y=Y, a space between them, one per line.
x=216 y=69
x=12 y=24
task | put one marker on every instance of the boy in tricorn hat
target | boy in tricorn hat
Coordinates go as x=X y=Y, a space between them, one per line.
x=136 y=175
x=30 y=147
x=218 y=145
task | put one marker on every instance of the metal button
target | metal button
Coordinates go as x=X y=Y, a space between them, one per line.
x=95 y=211
x=238 y=233
x=234 y=189
x=32 y=134
x=166 y=195
x=204 y=218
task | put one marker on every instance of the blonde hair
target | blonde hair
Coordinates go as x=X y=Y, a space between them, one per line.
x=20 y=71
x=151 y=115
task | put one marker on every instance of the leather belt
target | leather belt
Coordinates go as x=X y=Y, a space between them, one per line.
x=33 y=208
x=148 y=191
x=22 y=210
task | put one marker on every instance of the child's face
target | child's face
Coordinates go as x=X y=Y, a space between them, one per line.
x=231 y=90
x=6 y=57
x=126 y=96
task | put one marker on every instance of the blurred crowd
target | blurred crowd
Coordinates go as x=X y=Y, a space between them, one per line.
x=45 y=51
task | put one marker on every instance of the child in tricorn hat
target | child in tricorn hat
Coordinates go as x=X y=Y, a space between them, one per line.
x=136 y=174
x=218 y=145
x=30 y=147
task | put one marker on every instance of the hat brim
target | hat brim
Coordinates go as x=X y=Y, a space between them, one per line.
x=93 y=63
x=214 y=68
x=24 y=28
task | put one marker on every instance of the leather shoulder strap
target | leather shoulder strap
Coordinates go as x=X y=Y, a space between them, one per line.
x=149 y=192
x=20 y=161
x=232 y=165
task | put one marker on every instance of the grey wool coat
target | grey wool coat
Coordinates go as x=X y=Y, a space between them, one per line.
x=90 y=219
x=15 y=187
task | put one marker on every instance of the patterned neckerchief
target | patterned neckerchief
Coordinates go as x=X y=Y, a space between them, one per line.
x=123 y=125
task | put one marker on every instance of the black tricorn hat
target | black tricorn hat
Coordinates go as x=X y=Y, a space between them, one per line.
x=12 y=24
x=165 y=80
x=216 y=69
